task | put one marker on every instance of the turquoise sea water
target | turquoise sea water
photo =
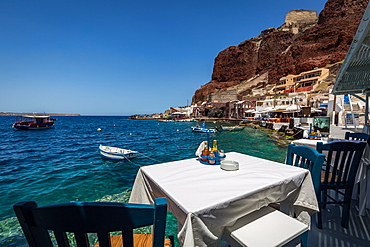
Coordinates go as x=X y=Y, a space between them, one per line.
x=63 y=164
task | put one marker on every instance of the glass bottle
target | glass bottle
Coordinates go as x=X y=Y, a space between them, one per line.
x=319 y=135
x=205 y=152
x=212 y=159
x=221 y=155
x=214 y=148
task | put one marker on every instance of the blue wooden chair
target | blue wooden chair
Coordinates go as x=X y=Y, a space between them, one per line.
x=102 y=218
x=308 y=158
x=357 y=136
x=339 y=173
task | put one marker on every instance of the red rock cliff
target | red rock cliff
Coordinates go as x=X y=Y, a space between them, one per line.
x=282 y=52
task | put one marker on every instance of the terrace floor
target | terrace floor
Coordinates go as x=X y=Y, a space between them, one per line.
x=332 y=234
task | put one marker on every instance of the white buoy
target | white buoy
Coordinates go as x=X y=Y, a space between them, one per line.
x=130 y=134
x=99 y=129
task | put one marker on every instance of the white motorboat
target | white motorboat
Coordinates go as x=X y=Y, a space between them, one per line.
x=117 y=153
x=203 y=129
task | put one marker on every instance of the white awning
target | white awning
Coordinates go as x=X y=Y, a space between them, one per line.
x=354 y=75
x=250 y=110
x=268 y=109
x=313 y=110
x=30 y=116
x=293 y=108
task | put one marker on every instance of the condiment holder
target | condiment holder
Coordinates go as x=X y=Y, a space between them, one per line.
x=215 y=159
x=210 y=156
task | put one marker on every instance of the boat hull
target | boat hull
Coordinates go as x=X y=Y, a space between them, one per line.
x=232 y=128
x=202 y=130
x=34 y=123
x=33 y=127
x=114 y=153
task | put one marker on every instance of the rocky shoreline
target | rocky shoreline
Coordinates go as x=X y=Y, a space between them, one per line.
x=283 y=137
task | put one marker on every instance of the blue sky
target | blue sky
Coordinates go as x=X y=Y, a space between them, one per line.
x=121 y=57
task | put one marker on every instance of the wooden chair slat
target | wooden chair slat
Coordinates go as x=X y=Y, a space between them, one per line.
x=81 y=218
x=61 y=238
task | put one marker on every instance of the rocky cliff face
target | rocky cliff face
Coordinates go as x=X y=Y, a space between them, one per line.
x=280 y=51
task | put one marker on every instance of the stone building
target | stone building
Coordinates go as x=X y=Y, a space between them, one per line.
x=299 y=19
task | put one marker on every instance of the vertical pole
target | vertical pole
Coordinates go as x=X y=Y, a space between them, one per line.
x=334 y=110
x=350 y=105
x=345 y=116
x=367 y=109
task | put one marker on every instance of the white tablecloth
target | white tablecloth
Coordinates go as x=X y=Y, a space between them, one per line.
x=362 y=176
x=205 y=198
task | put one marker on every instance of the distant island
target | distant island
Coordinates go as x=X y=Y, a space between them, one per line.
x=36 y=113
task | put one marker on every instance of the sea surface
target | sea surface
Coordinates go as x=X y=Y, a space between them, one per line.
x=63 y=164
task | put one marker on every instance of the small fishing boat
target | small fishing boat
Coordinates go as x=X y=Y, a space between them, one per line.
x=232 y=128
x=203 y=129
x=117 y=153
x=34 y=123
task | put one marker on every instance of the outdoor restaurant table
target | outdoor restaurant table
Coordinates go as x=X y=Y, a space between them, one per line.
x=205 y=198
x=362 y=176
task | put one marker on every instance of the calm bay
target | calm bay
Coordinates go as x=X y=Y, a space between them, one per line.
x=63 y=164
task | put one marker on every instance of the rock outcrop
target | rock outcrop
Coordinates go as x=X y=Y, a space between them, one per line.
x=300 y=44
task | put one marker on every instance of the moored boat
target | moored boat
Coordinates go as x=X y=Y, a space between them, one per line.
x=203 y=129
x=34 y=123
x=116 y=153
x=232 y=128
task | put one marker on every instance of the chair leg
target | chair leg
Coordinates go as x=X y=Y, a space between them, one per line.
x=323 y=199
x=345 y=216
x=304 y=238
x=319 y=214
x=319 y=220
x=346 y=210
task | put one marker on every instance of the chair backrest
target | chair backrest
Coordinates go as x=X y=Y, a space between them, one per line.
x=81 y=218
x=308 y=158
x=357 y=136
x=342 y=161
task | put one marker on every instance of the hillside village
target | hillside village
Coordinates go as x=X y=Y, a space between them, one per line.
x=304 y=95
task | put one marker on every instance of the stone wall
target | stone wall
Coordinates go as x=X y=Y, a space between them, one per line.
x=236 y=92
x=223 y=97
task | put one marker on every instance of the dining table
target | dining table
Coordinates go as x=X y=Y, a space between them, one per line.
x=361 y=192
x=205 y=198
